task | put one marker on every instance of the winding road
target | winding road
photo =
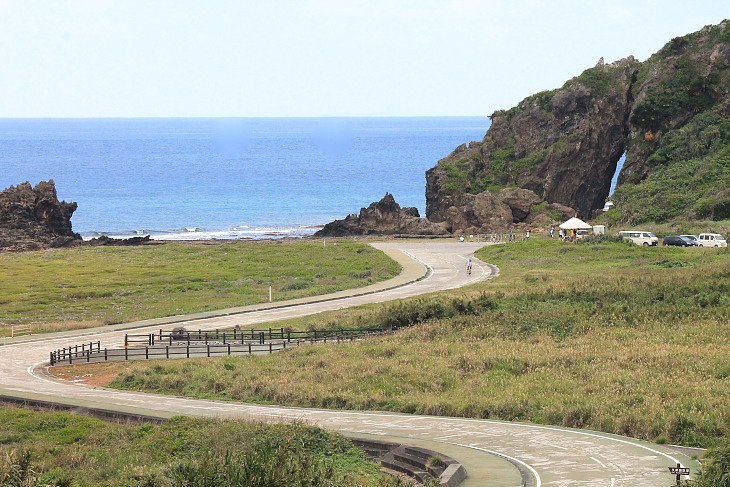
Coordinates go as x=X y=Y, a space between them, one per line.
x=491 y=451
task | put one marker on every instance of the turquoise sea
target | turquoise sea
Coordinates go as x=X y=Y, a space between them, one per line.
x=227 y=178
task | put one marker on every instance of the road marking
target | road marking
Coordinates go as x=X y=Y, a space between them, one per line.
x=551 y=445
x=598 y=462
x=538 y=482
x=613 y=481
x=30 y=371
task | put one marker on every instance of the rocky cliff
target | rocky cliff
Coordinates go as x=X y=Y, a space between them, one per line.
x=32 y=218
x=562 y=146
x=384 y=217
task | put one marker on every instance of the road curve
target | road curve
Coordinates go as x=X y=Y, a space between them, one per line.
x=554 y=456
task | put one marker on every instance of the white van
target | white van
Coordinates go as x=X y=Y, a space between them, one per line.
x=640 y=237
x=711 y=240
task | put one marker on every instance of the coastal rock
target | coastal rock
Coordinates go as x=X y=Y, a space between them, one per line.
x=32 y=218
x=497 y=212
x=384 y=217
x=559 y=146
x=105 y=241
x=564 y=145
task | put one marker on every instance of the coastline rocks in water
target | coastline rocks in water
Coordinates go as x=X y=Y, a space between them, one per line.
x=384 y=217
x=105 y=241
x=32 y=218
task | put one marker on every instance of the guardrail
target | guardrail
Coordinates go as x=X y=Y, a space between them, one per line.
x=198 y=344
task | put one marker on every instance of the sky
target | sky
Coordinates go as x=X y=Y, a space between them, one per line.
x=315 y=58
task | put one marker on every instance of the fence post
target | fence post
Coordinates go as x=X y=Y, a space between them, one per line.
x=52 y=359
x=125 y=340
x=126 y=354
x=261 y=338
x=208 y=351
x=146 y=353
x=271 y=347
x=249 y=348
x=188 y=350
x=167 y=351
x=229 y=349
x=106 y=355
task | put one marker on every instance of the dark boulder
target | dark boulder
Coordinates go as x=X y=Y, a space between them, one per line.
x=384 y=217
x=32 y=218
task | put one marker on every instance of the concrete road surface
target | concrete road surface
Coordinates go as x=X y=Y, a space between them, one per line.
x=490 y=450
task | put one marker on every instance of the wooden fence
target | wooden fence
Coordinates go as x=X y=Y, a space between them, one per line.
x=199 y=344
x=20 y=330
x=240 y=336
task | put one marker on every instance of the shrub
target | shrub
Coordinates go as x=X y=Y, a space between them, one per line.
x=715 y=470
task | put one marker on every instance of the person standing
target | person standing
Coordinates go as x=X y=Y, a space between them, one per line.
x=552 y=232
x=527 y=234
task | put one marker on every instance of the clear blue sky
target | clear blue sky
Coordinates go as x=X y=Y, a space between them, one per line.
x=282 y=58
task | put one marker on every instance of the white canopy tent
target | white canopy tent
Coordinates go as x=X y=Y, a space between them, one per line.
x=575 y=224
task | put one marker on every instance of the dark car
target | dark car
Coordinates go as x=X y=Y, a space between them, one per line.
x=679 y=240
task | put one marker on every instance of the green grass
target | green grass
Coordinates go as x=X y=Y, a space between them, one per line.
x=608 y=336
x=40 y=449
x=103 y=285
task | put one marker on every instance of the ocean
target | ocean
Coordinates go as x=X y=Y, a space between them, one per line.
x=205 y=178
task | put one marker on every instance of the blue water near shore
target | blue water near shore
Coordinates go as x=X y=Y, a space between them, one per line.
x=227 y=178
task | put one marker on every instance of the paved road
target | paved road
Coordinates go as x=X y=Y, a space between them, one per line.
x=554 y=456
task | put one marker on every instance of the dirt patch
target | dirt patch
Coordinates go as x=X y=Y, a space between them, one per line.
x=93 y=375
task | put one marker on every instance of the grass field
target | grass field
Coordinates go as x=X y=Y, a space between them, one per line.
x=608 y=336
x=82 y=287
x=59 y=449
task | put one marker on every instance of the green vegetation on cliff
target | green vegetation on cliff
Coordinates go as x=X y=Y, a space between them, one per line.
x=688 y=175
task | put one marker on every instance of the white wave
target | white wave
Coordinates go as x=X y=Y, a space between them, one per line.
x=238 y=232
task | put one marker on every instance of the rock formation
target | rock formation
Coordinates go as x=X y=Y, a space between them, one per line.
x=384 y=217
x=33 y=218
x=560 y=148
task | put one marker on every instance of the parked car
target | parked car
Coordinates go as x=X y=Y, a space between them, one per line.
x=679 y=240
x=711 y=240
x=582 y=233
x=640 y=237
x=691 y=237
